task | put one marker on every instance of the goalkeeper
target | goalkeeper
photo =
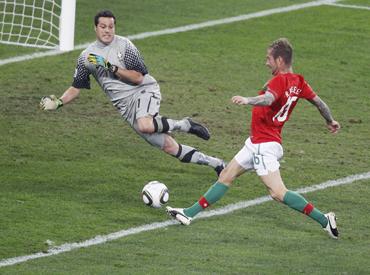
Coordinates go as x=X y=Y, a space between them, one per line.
x=118 y=67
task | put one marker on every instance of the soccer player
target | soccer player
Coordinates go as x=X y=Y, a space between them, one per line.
x=117 y=66
x=262 y=150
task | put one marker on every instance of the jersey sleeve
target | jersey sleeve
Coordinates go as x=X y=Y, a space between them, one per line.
x=274 y=86
x=81 y=78
x=307 y=91
x=133 y=59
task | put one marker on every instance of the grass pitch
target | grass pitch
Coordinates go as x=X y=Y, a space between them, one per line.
x=76 y=173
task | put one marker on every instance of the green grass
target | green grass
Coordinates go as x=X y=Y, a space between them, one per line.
x=363 y=3
x=77 y=173
x=265 y=239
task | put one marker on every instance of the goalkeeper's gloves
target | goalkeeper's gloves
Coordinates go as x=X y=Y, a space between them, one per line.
x=99 y=61
x=50 y=103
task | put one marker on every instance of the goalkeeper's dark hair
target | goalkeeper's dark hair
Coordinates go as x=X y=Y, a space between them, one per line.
x=282 y=47
x=104 y=13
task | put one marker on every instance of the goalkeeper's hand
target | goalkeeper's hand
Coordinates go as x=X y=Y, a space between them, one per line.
x=100 y=61
x=50 y=103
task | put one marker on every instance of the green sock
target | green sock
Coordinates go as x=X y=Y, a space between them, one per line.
x=216 y=192
x=299 y=203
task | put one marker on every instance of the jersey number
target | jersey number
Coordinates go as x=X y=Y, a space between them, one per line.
x=282 y=115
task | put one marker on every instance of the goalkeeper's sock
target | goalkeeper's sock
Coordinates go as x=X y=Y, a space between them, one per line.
x=216 y=192
x=163 y=124
x=299 y=203
x=189 y=154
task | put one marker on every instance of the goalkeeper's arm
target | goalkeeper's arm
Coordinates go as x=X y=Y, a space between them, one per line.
x=53 y=103
x=130 y=76
x=70 y=94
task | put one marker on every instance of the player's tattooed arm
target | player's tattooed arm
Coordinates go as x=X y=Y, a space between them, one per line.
x=262 y=100
x=324 y=110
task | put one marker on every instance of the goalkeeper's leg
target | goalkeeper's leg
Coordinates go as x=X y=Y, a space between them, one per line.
x=182 y=152
x=161 y=124
x=145 y=112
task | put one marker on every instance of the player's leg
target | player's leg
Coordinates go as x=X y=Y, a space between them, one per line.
x=149 y=121
x=161 y=124
x=294 y=200
x=218 y=189
x=182 y=152
x=145 y=125
x=142 y=116
x=238 y=165
x=188 y=154
x=266 y=163
x=214 y=194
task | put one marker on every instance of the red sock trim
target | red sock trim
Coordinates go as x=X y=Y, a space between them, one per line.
x=308 y=209
x=203 y=202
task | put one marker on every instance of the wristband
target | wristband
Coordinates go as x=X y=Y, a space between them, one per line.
x=59 y=103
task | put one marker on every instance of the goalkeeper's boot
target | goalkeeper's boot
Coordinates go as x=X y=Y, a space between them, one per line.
x=178 y=214
x=220 y=167
x=198 y=129
x=331 y=227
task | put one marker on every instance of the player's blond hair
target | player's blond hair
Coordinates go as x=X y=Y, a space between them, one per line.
x=282 y=47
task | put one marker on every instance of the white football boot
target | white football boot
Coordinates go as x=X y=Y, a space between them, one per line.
x=331 y=227
x=178 y=214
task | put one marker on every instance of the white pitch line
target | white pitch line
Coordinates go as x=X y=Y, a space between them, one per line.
x=153 y=226
x=180 y=29
x=349 y=6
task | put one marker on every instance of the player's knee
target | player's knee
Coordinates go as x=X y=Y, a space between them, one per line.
x=226 y=177
x=170 y=146
x=170 y=149
x=145 y=126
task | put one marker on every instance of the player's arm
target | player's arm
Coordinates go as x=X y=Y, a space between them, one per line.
x=81 y=80
x=70 y=94
x=130 y=76
x=262 y=100
x=324 y=110
x=51 y=103
x=135 y=67
x=127 y=75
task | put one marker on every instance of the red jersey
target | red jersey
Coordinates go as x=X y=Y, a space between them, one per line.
x=268 y=121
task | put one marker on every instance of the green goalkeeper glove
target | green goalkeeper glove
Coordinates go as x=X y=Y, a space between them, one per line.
x=50 y=103
x=99 y=61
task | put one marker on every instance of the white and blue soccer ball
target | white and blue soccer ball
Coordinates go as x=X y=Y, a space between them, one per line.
x=155 y=194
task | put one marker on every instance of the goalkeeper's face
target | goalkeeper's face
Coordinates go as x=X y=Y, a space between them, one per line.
x=105 y=30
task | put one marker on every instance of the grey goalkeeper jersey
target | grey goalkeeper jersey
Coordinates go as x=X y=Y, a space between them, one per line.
x=120 y=52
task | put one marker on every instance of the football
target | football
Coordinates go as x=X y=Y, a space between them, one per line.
x=155 y=194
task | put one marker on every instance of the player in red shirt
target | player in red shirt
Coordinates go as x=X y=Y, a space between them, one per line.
x=262 y=150
x=268 y=121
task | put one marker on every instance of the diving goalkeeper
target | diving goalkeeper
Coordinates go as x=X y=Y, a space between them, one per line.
x=119 y=69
